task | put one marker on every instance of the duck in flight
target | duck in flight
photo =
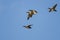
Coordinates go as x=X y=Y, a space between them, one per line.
x=28 y=26
x=31 y=13
x=53 y=8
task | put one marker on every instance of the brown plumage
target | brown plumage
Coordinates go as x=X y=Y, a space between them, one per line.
x=31 y=13
x=53 y=8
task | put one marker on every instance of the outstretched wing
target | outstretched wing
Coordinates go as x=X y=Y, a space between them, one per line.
x=55 y=6
x=27 y=12
x=30 y=25
x=29 y=15
x=35 y=11
x=28 y=18
x=30 y=10
x=49 y=10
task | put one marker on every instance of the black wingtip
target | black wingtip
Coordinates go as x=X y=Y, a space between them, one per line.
x=49 y=11
x=56 y=4
x=30 y=10
x=24 y=26
x=48 y=8
x=55 y=10
x=28 y=18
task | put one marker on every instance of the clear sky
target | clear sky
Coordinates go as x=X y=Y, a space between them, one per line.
x=13 y=16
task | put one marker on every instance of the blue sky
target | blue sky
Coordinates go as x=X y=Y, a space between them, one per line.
x=13 y=16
